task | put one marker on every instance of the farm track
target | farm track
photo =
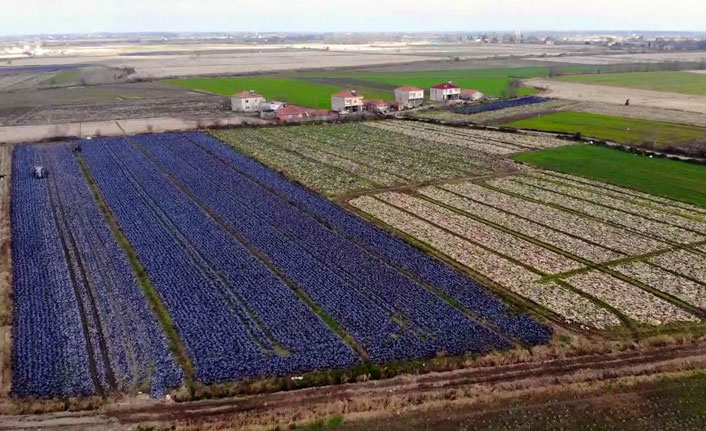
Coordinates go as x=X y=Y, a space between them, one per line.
x=74 y=283
x=6 y=309
x=534 y=374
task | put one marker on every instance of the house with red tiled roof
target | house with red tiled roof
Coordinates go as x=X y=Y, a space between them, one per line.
x=471 y=95
x=348 y=101
x=445 y=92
x=409 y=97
x=246 y=101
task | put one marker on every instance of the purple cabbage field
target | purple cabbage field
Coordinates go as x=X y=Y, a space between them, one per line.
x=259 y=275
x=82 y=325
x=500 y=104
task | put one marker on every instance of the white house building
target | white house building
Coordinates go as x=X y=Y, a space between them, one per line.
x=445 y=92
x=247 y=101
x=346 y=102
x=409 y=97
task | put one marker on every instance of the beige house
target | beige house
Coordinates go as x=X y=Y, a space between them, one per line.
x=409 y=97
x=346 y=102
x=445 y=92
x=247 y=101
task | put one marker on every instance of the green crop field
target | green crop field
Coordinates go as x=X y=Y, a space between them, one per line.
x=678 y=82
x=668 y=178
x=615 y=129
x=289 y=90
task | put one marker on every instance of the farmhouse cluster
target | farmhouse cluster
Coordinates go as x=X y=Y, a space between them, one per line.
x=350 y=102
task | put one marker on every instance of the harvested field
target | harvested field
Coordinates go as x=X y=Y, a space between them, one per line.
x=642 y=112
x=105 y=103
x=618 y=95
x=620 y=58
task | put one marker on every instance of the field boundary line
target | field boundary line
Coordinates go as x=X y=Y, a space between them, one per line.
x=703 y=234
x=686 y=246
x=625 y=191
x=669 y=298
x=157 y=306
x=663 y=207
x=515 y=261
x=511 y=298
x=504 y=211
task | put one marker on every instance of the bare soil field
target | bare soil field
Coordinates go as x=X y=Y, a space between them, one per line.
x=643 y=112
x=104 y=103
x=34 y=133
x=618 y=95
x=478 y=389
x=204 y=61
x=619 y=58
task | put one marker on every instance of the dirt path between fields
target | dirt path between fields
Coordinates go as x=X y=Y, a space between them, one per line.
x=480 y=384
x=618 y=95
x=5 y=272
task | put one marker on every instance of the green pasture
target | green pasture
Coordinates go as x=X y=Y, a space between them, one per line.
x=672 y=179
x=617 y=129
x=677 y=82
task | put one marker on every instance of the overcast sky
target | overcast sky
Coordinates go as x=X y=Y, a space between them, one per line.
x=80 y=16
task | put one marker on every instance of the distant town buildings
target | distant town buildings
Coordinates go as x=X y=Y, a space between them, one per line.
x=409 y=97
x=347 y=102
x=445 y=92
x=247 y=101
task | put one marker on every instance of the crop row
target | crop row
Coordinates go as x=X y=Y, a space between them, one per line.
x=501 y=242
x=577 y=246
x=607 y=236
x=500 y=104
x=389 y=249
x=444 y=136
x=654 y=213
x=506 y=273
x=514 y=141
x=645 y=226
x=633 y=195
x=665 y=281
x=405 y=157
x=685 y=263
x=636 y=303
x=236 y=317
x=116 y=340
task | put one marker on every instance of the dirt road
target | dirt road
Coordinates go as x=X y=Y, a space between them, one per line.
x=378 y=397
x=21 y=134
x=618 y=95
